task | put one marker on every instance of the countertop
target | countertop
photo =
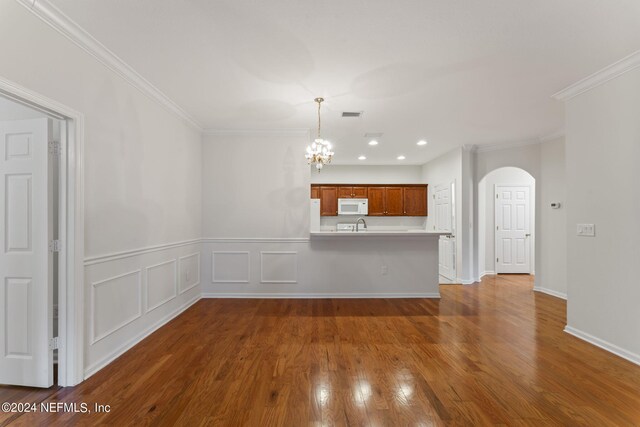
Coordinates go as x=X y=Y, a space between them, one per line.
x=377 y=233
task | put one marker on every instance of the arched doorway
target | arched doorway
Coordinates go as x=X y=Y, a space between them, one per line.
x=506 y=222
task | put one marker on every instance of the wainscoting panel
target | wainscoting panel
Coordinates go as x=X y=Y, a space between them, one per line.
x=162 y=284
x=230 y=267
x=189 y=271
x=131 y=294
x=115 y=302
x=279 y=267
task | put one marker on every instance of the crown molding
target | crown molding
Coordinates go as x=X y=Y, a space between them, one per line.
x=54 y=17
x=553 y=135
x=612 y=71
x=506 y=145
x=257 y=132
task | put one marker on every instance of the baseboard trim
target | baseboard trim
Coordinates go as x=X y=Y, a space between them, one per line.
x=466 y=281
x=605 y=345
x=260 y=295
x=88 y=372
x=486 y=273
x=551 y=292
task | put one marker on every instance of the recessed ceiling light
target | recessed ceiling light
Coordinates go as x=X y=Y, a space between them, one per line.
x=373 y=142
x=362 y=158
x=401 y=157
x=422 y=142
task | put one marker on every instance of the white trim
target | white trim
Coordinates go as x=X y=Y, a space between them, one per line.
x=71 y=270
x=553 y=135
x=259 y=295
x=465 y=281
x=135 y=340
x=94 y=338
x=257 y=132
x=486 y=273
x=146 y=284
x=551 y=292
x=481 y=148
x=605 y=345
x=98 y=259
x=256 y=240
x=213 y=263
x=55 y=18
x=600 y=77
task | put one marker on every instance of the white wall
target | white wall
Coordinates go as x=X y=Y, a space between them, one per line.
x=602 y=152
x=142 y=184
x=486 y=213
x=363 y=174
x=255 y=186
x=552 y=273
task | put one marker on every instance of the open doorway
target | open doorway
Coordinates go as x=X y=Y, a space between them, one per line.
x=506 y=222
x=29 y=218
x=41 y=238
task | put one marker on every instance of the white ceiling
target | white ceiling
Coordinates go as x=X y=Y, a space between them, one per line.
x=452 y=72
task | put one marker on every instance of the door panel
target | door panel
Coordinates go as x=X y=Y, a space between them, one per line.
x=446 y=256
x=513 y=241
x=328 y=201
x=359 y=192
x=393 y=201
x=415 y=201
x=26 y=265
x=376 y=201
x=345 y=192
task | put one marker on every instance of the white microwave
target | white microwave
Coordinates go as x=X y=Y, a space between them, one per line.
x=353 y=206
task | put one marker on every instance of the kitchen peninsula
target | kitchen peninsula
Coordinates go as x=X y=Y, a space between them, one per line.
x=390 y=252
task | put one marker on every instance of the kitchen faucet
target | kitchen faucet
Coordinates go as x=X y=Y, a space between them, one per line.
x=363 y=223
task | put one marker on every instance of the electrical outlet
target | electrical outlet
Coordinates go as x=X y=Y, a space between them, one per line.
x=384 y=270
x=586 y=230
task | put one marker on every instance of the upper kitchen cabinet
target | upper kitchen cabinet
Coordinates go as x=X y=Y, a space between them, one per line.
x=347 y=192
x=385 y=201
x=315 y=192
x=415 y=201
x=328 y=201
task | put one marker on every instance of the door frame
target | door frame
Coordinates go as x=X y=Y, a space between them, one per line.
x=531 y=227
x=71 y=230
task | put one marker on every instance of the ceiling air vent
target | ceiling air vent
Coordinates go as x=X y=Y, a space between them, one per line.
x=351 y=113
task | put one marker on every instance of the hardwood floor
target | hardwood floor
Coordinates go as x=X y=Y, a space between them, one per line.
x=484 y=354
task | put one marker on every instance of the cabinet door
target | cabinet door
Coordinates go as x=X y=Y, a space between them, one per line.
x=315 y=193
x=415 y=201
x=393 y=201
x=376 y=201
x=328 y=201
x=345 y=192
x=359 y=192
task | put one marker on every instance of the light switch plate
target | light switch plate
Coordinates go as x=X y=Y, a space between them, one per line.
x=588 y=230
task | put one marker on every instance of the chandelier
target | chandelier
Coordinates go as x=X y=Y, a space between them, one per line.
x=319 y=152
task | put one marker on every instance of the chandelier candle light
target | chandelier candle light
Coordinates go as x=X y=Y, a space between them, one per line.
x=319 y=152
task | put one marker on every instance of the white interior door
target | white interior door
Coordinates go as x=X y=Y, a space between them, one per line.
x=26 y=265
x=443 y=209
x=513 y=230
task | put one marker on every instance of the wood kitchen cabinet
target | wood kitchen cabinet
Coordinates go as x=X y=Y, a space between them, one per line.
x=385 y=201
x=328 y=201
x=346 y=192
x=415 y=201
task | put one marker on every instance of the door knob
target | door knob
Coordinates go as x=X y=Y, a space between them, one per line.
x=527 y=235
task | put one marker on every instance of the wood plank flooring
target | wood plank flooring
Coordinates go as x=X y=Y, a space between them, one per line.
x=485 y=354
